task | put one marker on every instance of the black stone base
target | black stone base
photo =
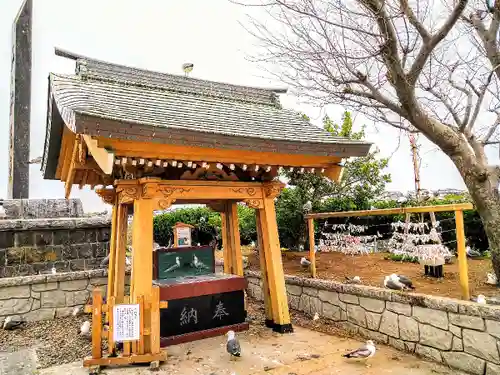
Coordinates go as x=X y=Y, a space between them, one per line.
x=283 y=328
x=269 y=323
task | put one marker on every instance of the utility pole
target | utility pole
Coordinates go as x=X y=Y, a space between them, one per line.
x=20 y=103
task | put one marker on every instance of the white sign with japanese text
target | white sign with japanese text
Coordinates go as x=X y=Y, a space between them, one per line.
x=126 y=323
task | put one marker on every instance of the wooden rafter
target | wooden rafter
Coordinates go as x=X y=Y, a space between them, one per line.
x=103 y=157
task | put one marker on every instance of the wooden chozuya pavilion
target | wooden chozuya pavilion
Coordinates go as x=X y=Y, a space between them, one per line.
x=152 y=139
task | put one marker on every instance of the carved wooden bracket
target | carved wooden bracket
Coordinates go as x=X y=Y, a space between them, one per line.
x=254 y=203
x=273 y=189
x=107 y=195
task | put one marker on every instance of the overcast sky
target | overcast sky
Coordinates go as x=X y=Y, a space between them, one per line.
x=161 y=35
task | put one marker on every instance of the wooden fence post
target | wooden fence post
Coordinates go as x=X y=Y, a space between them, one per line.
x=312 y=253
x=462 y=255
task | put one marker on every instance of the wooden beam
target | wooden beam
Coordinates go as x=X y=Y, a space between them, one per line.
x=112 y=256
x=121 y=249
x=312 y=253
x=97 y=325
x=142 y=257
x=71 y=171
x=462 y=255
x=233 y=230
x=274 y=267
x=226 y=242
x=68 y=139
x=176 y=152
x=334 y=173
x=394 y=211
x=263 y=271
x=103 y=157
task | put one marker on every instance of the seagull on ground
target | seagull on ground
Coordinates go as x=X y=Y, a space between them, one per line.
x=53 y=270
x=175 y=266
x=354 y=280
x=403 y=280
x=76 y=311
x=10 y=323
x=233 y=345
x=85 y=329
x=393 y=283
x=471 y=253
x=316 y=316
x=481 y=299
x=304 y=262
x=364 y=352
x=491 y=278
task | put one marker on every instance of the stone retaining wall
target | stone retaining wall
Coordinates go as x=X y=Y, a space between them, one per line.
x=43 y=297
x=461 y=334
x=34 y=246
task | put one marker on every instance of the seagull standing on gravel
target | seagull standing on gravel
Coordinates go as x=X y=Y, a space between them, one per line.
x=85 y=329
x=304 y=262
x=233 y=345
x=491 y=279
x=480 y=299
x=10 y=323
x=406 y=281
x=364 y=352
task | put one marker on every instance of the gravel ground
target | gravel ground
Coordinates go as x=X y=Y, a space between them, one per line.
x=55 y=341
x=58 y=341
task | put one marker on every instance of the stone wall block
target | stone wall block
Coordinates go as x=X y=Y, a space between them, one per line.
x=43 y=238
x=389 y=324
x=44 y=287
x=53 y=298
x=310 y=291
x=435 y=318
x=331 y=312
x=457 y=345
x=349 y=327
x=294 y=302
x=14 y=256
x=428 y=353
x=481 y=344
x=493 y=328
x=371 y=304
x=492 y=369
x=408 y=329
x=467 y=321
x=74 y=285
x=331 y=297
x=401 y=345
x=305 y=304
x=399 y=308
x=349 y=298
x=24 y=238
x=22 y=291
x=356 y=314
x=373 y=320
x=6 y=239
x=457 y=331
x=295 y=290
x=40 y=314
x=373 y=335
x=465 y=362
x=435 y=337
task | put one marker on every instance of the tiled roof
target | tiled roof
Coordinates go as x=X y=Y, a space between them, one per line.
x=139 y=102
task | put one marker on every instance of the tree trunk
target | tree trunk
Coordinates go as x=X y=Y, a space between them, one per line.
x=483 y=189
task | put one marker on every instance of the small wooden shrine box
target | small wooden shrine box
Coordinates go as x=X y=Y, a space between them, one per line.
x=201 y=303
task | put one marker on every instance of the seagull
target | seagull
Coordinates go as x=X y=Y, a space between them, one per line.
x=233 y=345
x=85 y=329
x=403 y=280
x=392 y=283
x=175 y=266
x=316 y=316
x=354 y=280
x=53 y=270
x=491 y=279
x=480 y=299
x=187 y=68
x=472 y=253
x=10 y=323
x=76 y=311
x=304 y=262
x=366 y=351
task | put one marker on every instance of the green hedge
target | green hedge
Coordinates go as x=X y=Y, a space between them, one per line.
x=291 y=224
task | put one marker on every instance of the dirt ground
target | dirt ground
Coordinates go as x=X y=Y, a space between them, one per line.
x=373 y=268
